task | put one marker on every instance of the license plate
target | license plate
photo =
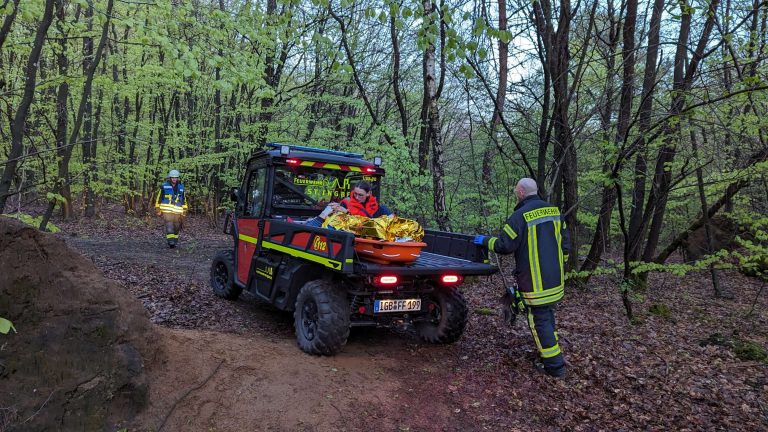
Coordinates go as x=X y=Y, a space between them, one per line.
x=397 y=305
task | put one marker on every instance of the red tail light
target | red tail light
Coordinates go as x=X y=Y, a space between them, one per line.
x=292 y=161
x=389 y=280
x=370 y=170
x=451 y=279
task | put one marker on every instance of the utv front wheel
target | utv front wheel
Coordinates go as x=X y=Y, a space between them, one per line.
x=321 y=318
x=447 y=316
x=223 y=276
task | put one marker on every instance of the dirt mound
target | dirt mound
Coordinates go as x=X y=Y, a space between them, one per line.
x=77 y=361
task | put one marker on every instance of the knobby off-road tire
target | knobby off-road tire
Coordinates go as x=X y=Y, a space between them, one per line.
x=321 y=318
x=223 y=276
x=449 y=318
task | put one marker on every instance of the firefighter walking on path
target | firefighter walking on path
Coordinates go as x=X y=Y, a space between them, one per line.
x=172 y=204
x=536 y=234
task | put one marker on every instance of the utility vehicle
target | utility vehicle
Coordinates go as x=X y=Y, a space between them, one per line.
x=316 y=272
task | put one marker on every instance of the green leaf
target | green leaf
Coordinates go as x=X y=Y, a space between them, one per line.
x=6 y=326
x=505 y=36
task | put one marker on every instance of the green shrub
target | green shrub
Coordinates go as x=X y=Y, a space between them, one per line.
x=660 y=310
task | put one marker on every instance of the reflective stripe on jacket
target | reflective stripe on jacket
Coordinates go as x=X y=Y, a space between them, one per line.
x=536 y=234
x=172 y=200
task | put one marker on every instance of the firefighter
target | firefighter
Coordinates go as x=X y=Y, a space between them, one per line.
x=171 y=203
x=536 y=234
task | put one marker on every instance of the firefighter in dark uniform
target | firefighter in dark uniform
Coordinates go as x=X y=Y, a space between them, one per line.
x=172 y=204
x=536 y=234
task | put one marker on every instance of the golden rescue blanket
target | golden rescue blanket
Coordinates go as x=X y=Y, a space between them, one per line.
x=387 y=228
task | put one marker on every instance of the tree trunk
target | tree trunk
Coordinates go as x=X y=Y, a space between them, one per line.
x=622 y=129
x=704 y=213
x=635 y=232
x=88 y=156
x=8 y=22
x=501 y=93
x=396 y=77
x=683 y=77
x=430 y=130
x=19 y=120
x=81 y=109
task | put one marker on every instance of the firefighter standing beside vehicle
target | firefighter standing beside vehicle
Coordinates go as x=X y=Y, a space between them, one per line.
x=172 y=204
x=536 y=234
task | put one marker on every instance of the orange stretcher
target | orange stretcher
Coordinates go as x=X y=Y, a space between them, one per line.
x=385 y=252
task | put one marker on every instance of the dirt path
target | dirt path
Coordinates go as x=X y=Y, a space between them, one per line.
x=245 y=372
x=235 y=365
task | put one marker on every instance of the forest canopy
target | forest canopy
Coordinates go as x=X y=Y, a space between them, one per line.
x=641 y=120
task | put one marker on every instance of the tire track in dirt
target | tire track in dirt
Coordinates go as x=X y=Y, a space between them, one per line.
x=264 y=382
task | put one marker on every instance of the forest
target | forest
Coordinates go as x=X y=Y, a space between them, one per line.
x=646 y=123
x=643 y=121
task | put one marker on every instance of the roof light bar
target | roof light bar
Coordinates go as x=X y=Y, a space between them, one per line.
x=313 y=150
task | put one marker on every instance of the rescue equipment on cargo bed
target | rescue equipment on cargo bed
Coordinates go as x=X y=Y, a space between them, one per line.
x=387 y=228
x=384 y=240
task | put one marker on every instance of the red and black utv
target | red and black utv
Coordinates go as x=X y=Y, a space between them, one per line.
x=317 y=273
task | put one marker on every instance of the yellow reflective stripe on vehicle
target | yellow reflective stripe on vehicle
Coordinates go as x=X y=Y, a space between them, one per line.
x=541 y=213
x=330 y=166
x=550 y=352
x=492 y=243
x=349 y=261
x=248 y=239
x=297 y=253
x=510 y=232
x=262 y=273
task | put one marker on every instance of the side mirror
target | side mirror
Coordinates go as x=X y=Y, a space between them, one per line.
x=235 y=194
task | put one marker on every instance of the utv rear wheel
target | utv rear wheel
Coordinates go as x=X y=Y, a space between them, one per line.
x=447 y=316
x=321 y=318
x=223 y=276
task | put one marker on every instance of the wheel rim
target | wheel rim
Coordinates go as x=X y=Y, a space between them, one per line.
x=309 y=319
x=221 y=276
x=436 y=314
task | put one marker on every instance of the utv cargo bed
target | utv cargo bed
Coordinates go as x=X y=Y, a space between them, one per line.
x=428 y=264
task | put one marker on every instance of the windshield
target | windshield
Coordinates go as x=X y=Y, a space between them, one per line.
x=302 y=190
